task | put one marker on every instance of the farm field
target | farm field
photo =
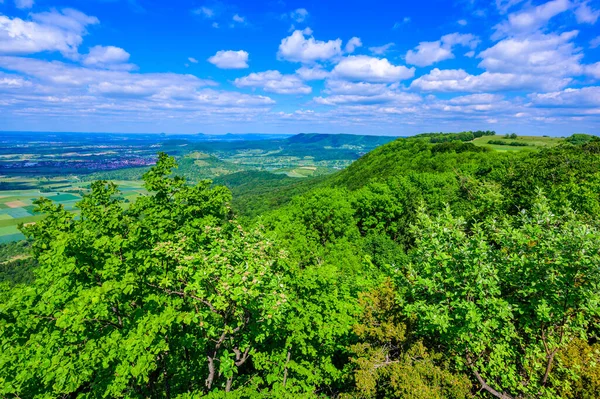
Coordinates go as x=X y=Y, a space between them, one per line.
x=61 y=166
x=16 y=206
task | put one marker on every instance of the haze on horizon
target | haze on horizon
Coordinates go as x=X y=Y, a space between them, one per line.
x=300 y=66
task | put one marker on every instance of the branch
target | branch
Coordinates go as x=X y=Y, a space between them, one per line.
x=239 y=357
x=484 y=385
x=185 y=295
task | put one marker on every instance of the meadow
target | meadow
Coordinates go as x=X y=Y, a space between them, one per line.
x=530 y=142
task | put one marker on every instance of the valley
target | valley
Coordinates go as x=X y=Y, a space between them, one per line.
x=61 y=166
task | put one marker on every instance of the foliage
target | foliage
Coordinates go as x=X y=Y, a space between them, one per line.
x=16 y=263
x=512 y=143
x=166 y=297
x=580 y=139
x=430 y=268
x=389 y=363
x=506 y=298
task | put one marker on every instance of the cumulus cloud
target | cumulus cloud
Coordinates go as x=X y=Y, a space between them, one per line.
x=540 y=54
x=275 y=82
x=353 y=44
x=581 y=97
x=299 y=48
x=108 y=57
x=229 y=59
x=60 y=31
x=239 y=19
x=192 y=60
x=593 y=70
x=355 y=88
x=457 y=80
x=56 y=88
x=531 y=19
x=342 y=92
x=315 y=73
x=595 y=42
x=299 y=15
x=481 y=98
x=428 y=53
x=371 y=69
x=380 y=50
x=462 y=22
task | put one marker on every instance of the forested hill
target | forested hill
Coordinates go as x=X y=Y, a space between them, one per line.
x=425 y=270
x=339 y=140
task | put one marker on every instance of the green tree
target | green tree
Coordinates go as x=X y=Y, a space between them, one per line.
x=168 y=296
x=390 y=362
x=505 y=299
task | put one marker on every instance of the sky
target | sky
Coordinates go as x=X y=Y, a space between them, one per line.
x=366 y=67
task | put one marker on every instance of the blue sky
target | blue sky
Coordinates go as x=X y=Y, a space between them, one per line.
x=370 y=67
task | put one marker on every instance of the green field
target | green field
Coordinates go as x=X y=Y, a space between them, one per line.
x=16 y=206
x=534 y=142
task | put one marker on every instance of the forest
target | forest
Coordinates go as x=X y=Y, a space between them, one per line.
x=429 y=268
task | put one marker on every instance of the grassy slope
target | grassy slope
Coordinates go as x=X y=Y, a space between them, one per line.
x=534 y=142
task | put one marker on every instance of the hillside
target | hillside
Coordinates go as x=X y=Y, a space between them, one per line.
x=435 y=268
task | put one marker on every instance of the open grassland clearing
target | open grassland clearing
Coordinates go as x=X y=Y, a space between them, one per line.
x=532 y=142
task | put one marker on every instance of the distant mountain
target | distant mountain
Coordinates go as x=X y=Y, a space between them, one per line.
x=234 y=137
x=339 y=140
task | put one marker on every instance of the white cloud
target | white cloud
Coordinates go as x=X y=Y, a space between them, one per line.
x=504 y=5
x=457 y=80
x=583 y=97
x=595 y=42
x=593 y=70
x=385 y=98
x=353 y=44
x=299 y=15
x=275 y=82
x=462 y=22
x=49 y=31
x=371 y=69
x=428 y=53
x=229 y=59
x=481 y=98
x=205 y=12
x=66 y=90
x=404 y=21
x=22 y=4
x=298 y=48
x=107 y=57
x=355 y=88
x=361 y=93
x=192 y=60
x=531 y=19
x=585 y=14
x=380 y=50
x=540 y=54
x=239 y=19
x=315 y=73
x=215 y=25
x=470 y=54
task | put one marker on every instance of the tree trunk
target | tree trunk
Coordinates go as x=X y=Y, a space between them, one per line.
x=211 y=373
x=285 y=371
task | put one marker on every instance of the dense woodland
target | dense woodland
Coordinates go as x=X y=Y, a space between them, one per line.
x=430 y=268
